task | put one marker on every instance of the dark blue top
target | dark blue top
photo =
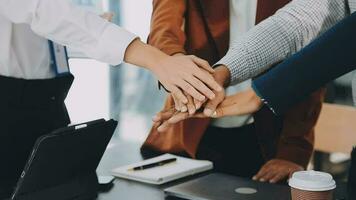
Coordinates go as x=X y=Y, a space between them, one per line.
x=328 y=57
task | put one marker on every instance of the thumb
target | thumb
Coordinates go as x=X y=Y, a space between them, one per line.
x=223 y=111
x=239 y=104
x=234 y=110
x=213 y=104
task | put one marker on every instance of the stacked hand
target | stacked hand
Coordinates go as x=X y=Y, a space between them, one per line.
x=192 y=76
x=184 y=111
x=183 y=76
x=191 y=103
x=242 y=103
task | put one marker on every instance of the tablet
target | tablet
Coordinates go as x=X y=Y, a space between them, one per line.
x=62 y=165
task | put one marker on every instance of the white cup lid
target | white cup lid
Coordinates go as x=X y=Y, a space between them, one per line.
x=312 y=181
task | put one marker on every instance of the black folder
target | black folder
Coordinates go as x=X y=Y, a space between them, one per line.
x=63 y=164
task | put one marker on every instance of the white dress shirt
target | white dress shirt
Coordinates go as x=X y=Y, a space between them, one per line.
x=25 y=25
x=242 y=19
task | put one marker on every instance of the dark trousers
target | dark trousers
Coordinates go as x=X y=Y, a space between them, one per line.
x=28 y=110
x=234 y=151
x=352 y=176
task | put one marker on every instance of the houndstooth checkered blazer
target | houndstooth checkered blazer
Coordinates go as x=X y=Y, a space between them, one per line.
x=282 y=35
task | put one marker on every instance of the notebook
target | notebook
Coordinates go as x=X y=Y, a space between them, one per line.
x=162 y=174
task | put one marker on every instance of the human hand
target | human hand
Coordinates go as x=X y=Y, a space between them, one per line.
x=189 y=107
x=222 y=77
x=242 y=103
x=176 y=73
x=277 y=170
x=189 y=73
x=165 y=119
x=192 y=105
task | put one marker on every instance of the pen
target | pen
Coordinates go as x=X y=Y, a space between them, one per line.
x=152 y=165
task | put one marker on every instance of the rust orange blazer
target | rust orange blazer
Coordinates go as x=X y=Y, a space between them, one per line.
x=201 y=27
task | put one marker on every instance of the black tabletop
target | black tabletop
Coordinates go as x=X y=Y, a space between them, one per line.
x=123 y=153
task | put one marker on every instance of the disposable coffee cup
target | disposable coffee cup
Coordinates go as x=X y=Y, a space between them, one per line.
x=312 y=185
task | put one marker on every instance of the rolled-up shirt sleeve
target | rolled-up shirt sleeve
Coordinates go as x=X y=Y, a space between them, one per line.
x=280 y=36
x=69 y=25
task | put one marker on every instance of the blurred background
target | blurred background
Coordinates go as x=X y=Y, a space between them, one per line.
x=126 y=93
x=130 y=95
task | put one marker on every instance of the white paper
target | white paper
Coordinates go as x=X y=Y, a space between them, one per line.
x=158 y=175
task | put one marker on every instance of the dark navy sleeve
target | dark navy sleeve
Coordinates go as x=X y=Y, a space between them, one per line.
x=326 y=58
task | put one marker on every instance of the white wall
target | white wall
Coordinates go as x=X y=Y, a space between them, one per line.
x=135 y=120
x=88 y=99
x=89 y=96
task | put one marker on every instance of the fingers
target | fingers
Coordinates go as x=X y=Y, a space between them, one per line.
x=276 y=170
x=182 y=107
x=163 y=115
x=199 y=115
x=204 y=77
x=168 y=118
x=230 y=100
x=178 y=105
x=201 y=87
x=190 y=106
x=189 y=89
x=240 y=104
x=223 y=111
x=178 y=117
x=173 y=119
x=211 y=106
x=191 y=75
x=197 y=104
x=275 y=175
x=178 y=94
x=163 y=127
x=203 y=64
x=278 y=178
x=258 y=177
x=271 y=176
x=208 y=79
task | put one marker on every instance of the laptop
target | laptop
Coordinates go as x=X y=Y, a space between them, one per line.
x=222 y=187
x=62 y=165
